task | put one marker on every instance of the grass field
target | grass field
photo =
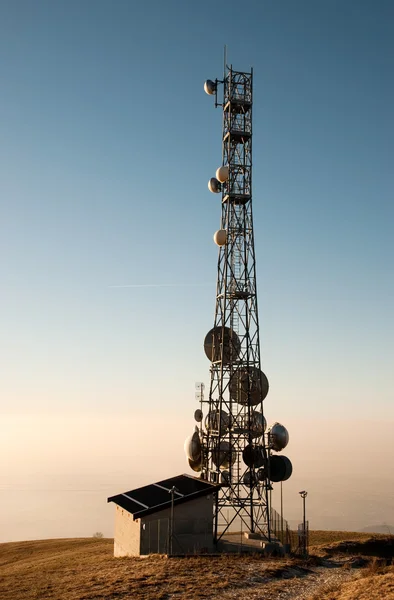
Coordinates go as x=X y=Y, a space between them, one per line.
x=85 y=569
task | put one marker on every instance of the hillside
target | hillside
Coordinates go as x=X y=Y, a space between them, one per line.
x=384 y=529
x=84 y=569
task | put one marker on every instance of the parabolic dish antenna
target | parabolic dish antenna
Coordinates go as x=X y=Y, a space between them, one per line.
x=214 y=185
x=212 y=421
x=278 y=436
x=209 y=87
x=193 y=447
x=253 y=456
x=249 y=479
x=198 y=416
x=222 y=174
x=248 y=386
x=223 y=456
x=195 y=465
x=231 y=345
x=280 y=468
x=257 y=423
x=220 y=237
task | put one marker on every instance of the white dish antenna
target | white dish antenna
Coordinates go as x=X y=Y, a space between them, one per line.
x=220 y=237
x=193 y=447
x=222 y=174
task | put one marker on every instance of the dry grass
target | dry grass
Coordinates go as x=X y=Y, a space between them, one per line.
x=85 y=569
x=366 y=545
x=320 y=537
x=378 y=586
x=374 y=582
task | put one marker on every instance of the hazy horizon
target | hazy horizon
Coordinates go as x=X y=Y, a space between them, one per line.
x=59 y=487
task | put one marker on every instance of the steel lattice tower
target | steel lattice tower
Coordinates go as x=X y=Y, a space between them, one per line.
x=231 y=445
x=237 y=387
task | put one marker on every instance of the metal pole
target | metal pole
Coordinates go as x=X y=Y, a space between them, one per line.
x=171 y=527
x=169 y=536
x=172 y=517
x=281 y=511
x=303 y=499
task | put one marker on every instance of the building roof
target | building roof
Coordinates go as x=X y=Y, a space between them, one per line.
x=156 y=496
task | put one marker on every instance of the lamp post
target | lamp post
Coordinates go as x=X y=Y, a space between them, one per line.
x=303 y=495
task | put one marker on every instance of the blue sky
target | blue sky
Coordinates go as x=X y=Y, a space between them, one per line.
x=107 y=144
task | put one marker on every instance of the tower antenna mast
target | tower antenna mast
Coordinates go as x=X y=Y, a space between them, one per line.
x=233 y=447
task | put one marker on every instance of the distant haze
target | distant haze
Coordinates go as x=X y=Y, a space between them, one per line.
x=57 y=471
x=383 y=528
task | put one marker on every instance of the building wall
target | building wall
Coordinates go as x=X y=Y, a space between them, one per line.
x=127 y=534
x=193 y=528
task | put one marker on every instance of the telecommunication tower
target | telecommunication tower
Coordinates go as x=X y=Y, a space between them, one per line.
x=231 y=445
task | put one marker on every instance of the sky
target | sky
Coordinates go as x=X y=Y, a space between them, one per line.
x=107 y=142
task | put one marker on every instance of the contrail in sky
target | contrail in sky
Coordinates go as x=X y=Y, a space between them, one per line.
x=160 y=285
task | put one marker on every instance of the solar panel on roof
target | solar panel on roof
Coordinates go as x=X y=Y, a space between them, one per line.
x=156 y=496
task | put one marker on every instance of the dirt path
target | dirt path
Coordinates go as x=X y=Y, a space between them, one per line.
x=299 y=584
x=321 y=578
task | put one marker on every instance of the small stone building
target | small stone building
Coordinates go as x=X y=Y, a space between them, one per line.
x=147 y=521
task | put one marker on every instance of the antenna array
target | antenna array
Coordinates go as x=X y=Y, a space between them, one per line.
x=231 y=445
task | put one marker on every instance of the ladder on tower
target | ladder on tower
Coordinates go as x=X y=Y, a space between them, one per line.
x=236 y=287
